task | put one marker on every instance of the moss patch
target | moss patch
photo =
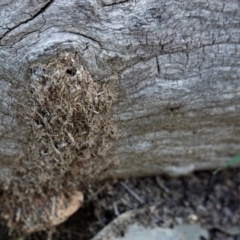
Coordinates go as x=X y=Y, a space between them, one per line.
x=67 y=114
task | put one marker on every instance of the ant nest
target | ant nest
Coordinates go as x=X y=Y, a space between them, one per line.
x=68 y=116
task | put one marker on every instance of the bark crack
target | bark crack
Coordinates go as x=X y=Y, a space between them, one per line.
x=85 y=36
x=41 y=10
x=113 y=2
x=158 y=66
x=26 y=34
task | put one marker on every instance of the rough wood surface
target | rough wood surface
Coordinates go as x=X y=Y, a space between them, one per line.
x=175 y=65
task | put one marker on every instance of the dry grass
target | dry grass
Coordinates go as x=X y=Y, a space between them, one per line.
x=67 y=113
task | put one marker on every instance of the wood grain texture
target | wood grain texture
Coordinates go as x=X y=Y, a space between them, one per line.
x=175 y=64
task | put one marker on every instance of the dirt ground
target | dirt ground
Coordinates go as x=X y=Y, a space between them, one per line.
x=213 y=201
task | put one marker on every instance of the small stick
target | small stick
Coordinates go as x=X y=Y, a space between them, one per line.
x=116 y=209
x=53 y=146
x=70 y=137
x=132 y=193
x=53 y=206
x=43 y=119
x=165 y=189
x=18 y=215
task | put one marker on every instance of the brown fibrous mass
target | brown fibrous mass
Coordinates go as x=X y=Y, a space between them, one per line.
x=67 y=114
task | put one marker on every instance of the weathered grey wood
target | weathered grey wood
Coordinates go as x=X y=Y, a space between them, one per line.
x=175 y=64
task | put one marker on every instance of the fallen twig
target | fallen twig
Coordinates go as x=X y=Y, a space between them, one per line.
x=135 y=195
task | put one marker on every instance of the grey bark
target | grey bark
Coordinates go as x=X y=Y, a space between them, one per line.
x=175 y=65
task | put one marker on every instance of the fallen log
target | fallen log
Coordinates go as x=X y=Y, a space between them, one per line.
x=92 y=89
